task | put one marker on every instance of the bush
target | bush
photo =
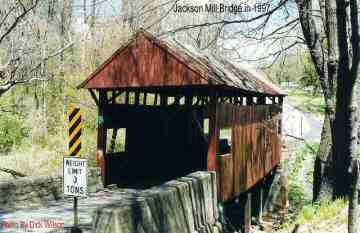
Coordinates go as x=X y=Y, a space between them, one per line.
x=12 y=132
x=310 y=78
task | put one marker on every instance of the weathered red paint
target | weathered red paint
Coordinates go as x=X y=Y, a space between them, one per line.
x=146 y=61
x=143 y=64
x=256 y=146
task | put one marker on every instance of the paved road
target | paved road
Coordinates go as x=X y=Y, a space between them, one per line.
x=57 y=214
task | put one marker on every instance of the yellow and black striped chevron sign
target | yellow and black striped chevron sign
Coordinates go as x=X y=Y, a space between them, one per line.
x=74 y=132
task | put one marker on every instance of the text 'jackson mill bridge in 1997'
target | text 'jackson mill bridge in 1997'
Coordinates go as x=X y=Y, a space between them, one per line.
x=183 y=111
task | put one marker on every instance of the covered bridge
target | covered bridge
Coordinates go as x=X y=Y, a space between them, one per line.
x=183 y=110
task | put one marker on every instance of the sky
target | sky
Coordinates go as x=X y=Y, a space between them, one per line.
x=104 y=8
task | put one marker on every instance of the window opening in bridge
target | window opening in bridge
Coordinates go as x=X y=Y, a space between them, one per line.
x=206 y=126
x=225 y=141
x=120 y=99
x=150 y=98
x=268 y=100
x=116 y=140
x=141 y=98
x=171 y=100
x=131 y=97
x=255 y=100
x=182 y=100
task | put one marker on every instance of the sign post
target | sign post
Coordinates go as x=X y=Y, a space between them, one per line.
x=75 y=168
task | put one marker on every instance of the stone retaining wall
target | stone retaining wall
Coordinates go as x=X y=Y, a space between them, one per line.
x=185 y=205
x=31 y=192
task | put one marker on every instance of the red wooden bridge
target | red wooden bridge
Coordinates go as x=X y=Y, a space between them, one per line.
x=184 y=110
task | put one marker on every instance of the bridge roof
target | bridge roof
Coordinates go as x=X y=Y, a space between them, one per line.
x=146 y=61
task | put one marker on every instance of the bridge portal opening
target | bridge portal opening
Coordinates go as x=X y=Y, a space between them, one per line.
x=158 y=143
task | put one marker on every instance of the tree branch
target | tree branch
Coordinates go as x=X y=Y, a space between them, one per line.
x=227 y=22
x=17 y=19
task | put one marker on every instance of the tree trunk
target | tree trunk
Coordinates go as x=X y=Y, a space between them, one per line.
x=323 y=185
x=323 y=182
x=353 y=200
x=346 y=122
x=352 y=80
x=326 y=70
x=84 y=11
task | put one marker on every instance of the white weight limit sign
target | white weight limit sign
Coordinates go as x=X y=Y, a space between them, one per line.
x=75 y=176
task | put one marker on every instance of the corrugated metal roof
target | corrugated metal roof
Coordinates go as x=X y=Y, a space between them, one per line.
x=215 y=69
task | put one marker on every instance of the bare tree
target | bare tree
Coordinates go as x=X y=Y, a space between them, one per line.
x=346 y=121
x=23 y=59
x=325 y=61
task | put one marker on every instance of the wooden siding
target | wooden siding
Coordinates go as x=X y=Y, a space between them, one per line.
x=143 y=63
x=255 y=147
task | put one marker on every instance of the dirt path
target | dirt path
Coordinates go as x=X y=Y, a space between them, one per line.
x=300 y=124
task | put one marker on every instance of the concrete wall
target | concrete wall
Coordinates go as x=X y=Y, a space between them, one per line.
x=32 y=192
x=186 y=205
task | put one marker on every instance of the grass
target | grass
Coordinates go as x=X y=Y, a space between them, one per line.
x=34 y=161
x=307 y=102
x=315 y=214
x=327 y=217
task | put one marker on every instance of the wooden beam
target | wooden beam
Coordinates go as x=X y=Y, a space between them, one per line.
x=213 y=132
x=274 y=100
x=163 y=99
x=247 y=213
x=261 y=201
x=101 y=137
x=261 y=100
x=188 y=100
x=281 y=100
x=249 y=101
x=113 y=97
x=145 y=98
x=93 y=95
x=127 y=98
x=156 y=98
x=137 y=97
x=177 y=100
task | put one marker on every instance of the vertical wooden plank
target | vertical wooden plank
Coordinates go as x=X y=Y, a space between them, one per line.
x=281 y=100
x=127 y=98
x=137 y=97
x=273 y=100
x=248 y=100
x=247 y=213
x=261 y=100
x=101 y=137
x=156 y=99
x=189 y=100
x=213 y=132
x=113 y=97
x=237 y=159
x=163 y=100
x=145 y=98
x=225 y=176
x=261 y=201
x=177 y=100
